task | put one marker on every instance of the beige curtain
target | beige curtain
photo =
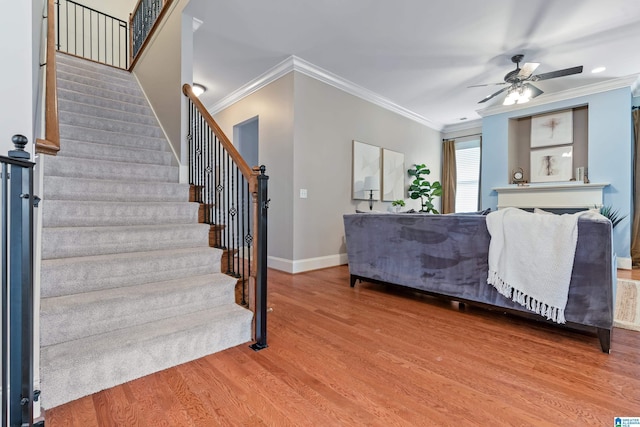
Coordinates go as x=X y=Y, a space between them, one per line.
x=448 y=176
x=635 y=234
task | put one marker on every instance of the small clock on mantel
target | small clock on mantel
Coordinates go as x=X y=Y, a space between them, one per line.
x=517 y=176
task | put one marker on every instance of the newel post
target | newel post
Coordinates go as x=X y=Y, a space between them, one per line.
x=261 y=272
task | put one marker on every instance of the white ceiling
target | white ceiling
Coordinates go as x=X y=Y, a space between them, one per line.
x=420 y=55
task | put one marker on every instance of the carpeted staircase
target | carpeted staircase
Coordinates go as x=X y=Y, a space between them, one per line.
x=129 y=285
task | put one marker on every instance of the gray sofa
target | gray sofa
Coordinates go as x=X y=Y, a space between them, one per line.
x=447 y=255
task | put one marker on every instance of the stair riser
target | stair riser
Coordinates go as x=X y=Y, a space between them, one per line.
x=73 y=242
x=94 y=214
x=74 y=119
x=95 y=151
x=134 y=358
x=88 y=274
x=69 y=86
x=67 y=96
x=109 y=138
x=63 y=188
x=126 y=309
x=66 y=106
x=95 y=169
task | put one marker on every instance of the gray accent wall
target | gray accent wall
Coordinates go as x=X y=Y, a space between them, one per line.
x=306 y=128
x=273 y=105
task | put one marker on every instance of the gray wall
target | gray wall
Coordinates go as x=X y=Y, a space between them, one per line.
x=306 y=130
x=326 y=121
x=274 y=107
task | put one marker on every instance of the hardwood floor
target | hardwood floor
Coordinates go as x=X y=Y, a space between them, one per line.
x=382 y=356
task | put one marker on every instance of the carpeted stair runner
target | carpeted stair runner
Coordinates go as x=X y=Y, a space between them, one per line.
x=129 y=285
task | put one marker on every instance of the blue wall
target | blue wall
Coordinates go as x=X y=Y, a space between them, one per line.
x=610 y=152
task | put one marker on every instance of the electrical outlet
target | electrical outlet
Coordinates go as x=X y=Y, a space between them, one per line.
x=303 y=193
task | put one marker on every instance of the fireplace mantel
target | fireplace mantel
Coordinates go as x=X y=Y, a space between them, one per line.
x=553 y=195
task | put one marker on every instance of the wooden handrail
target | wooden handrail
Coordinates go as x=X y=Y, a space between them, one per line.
x=51 y=143
x=163 y=12
x=249 y=173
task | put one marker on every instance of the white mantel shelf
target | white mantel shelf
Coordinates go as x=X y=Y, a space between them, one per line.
x=553 y=195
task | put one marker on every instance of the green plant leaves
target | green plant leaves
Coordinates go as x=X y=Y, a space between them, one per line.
x=422 y=189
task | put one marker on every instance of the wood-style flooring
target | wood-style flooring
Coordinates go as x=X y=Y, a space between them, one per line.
x=382 y=356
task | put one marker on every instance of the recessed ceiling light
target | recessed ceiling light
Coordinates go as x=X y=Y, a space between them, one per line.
x=598 y=70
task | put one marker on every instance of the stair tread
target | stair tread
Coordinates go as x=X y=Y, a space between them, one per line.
x=64 y=188
x=69 y=95
x=65 y=276
x=96 y=110
x=60 y=304
x=72 y=317
x=106 y=124
x=108 y=136
x=81 y=348
x=78 y=213
x=106 y=258
x=98 y=151
x=80 y=367
x=109 y=169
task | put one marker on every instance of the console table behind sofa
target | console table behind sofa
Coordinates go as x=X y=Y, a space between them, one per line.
x=447 y=255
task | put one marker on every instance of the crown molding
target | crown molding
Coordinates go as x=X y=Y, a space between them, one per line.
x=338 y=82
x=269 y=76
x=466 y=125
x=293 y=63
x=631 y=82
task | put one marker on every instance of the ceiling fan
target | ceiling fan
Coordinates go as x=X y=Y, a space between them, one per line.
x=520 y=90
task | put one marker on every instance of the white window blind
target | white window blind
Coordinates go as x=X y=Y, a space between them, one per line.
x=468 y=175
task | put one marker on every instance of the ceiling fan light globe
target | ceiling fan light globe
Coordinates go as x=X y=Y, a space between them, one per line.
x=509 y=101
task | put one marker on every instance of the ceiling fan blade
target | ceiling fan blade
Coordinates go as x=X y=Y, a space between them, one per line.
x=528 y=69
x=493 y=95
x=534 y=90
x=488 y=84
x=558 y=73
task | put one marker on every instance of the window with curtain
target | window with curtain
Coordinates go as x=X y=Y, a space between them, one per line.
x=468 y=175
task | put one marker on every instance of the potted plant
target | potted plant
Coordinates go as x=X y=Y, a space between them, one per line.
x=398 y=204
x=424 y=190
x=613 y=215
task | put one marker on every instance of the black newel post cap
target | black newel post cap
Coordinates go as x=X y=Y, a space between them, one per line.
x=20 y=141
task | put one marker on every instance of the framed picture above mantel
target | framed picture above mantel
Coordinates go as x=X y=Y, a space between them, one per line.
x=552 y=129
x=552 y=164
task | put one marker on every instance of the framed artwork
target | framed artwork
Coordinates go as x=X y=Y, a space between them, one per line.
x=366 y=171
x=552 y=129
x=552 y=164
x=392 y=176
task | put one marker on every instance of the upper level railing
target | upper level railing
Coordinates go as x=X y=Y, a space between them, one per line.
x=18 y=201
x=91 y=34
x=233 y=200
x=143 y=22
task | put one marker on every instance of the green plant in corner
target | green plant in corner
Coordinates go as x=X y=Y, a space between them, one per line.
x=424 y=190
x=613 y=215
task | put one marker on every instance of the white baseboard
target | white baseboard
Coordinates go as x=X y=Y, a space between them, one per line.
x=624 y=263
x=302 y=265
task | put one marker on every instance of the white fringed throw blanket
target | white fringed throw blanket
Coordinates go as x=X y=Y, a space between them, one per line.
x=531 y=258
